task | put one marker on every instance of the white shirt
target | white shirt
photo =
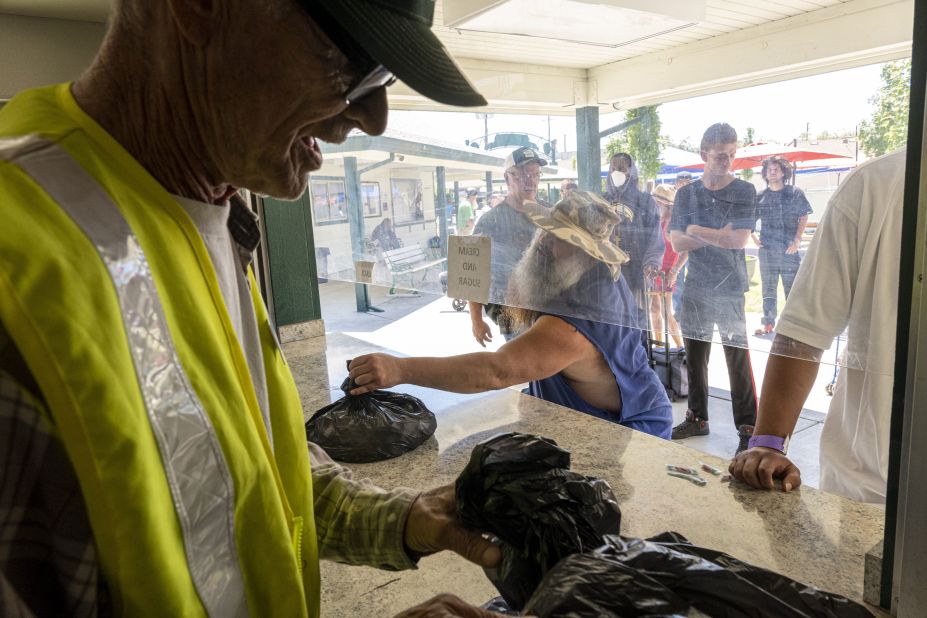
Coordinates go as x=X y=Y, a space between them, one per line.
x=211 y=221
x=850 y=279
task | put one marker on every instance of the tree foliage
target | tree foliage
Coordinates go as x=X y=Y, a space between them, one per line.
x=642 y=141
x=887 y=129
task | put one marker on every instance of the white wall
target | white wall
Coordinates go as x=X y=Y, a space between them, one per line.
x=35 y=51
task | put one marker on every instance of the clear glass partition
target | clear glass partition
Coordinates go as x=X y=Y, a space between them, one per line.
x=387 y=209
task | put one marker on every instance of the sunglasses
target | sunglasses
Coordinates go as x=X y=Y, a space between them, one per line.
x=379 y=77
x=376 y=76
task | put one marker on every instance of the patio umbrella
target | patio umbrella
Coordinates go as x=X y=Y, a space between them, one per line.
x=752 y=156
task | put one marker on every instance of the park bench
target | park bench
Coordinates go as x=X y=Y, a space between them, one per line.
x=407 y=261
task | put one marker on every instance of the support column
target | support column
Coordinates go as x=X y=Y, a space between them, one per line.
x=290 y=251
x=441 y=206
x=352 y=196
x=489 y=186
x=588 y=152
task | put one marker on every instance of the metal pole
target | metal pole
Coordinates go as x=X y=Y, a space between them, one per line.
x=441 y=206
x=352 y=196
x=588 y=153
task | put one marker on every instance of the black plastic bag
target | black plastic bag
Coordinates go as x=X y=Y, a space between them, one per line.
x=667 y=575
x=371 y=427
x=519 y=488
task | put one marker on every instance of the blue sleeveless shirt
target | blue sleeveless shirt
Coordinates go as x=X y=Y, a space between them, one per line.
x=607 y=308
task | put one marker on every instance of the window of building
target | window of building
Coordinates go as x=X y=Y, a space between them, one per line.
x=370 y=196
x=407 y=200
x=328 y=201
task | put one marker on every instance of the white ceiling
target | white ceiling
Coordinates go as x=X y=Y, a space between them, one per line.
x=739 y=43
x=722 y=16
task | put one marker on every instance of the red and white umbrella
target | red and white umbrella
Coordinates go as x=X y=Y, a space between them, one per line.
x=753 y=155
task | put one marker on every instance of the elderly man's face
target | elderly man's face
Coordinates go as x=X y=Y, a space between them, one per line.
x=548 y=267
x=523 y=181
x=276 y=86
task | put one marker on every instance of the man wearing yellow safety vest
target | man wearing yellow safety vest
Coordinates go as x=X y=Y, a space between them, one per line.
x=154 y=456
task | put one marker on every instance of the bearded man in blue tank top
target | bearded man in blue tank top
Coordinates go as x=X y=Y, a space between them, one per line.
x=579 y=346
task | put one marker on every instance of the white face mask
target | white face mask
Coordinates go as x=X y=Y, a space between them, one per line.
x=618 y=178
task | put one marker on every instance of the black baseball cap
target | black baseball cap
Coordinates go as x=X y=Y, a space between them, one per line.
x=397 y=34
x=520 y=156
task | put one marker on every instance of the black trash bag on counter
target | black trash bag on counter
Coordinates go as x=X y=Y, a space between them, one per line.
x=667 y=575
x=519 y=487
x=371 y=427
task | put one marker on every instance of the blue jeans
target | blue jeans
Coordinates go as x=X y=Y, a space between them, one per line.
x=776 y=263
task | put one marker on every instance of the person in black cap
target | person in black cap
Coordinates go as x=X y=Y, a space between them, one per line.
x=511 y=232
x=146 y=391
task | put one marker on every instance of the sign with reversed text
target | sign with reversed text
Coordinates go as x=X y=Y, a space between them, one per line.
x=468 y=267
x=364 y=271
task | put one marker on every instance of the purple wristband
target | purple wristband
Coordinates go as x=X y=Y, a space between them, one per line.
x=774 y=442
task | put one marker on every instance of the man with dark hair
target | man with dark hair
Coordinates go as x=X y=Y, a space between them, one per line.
x=151 y=433
x=782 y=211
x=576 y=348
x=713 y=219
x=510 y=229
x=640 y=237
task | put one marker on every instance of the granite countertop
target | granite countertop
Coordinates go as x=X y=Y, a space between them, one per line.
x=811 y=536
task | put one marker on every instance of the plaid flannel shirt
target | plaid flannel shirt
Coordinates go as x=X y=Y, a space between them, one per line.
x=48 y=560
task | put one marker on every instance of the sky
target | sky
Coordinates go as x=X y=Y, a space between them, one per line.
x=779 y=112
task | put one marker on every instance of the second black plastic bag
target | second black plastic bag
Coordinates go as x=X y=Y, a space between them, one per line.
x=370 y=427
x=667 y=576
x=520 y=488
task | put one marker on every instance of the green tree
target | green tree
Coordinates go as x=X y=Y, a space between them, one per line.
x=748 y=137
x=887 y=129
x=641 y=140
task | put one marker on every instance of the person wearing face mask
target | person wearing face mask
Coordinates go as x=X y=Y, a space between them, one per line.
x=640 y=237
x=511 y=232
x=151 y=432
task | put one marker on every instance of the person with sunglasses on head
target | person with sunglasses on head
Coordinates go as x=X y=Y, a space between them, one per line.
x=511 y=231
x=782 y=212
x=712 y=219
x=152 y=434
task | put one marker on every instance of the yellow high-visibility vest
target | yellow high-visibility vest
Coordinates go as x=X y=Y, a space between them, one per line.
x=108 y=292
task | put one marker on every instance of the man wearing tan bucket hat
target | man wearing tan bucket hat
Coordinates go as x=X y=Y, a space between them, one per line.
x=579 y=347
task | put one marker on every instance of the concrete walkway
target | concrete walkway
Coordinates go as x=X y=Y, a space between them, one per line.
x=427 y=325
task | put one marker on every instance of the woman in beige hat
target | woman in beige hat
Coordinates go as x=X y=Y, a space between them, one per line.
x=664 y=283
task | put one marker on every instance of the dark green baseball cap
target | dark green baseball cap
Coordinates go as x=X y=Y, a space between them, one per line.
x=398 y=35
